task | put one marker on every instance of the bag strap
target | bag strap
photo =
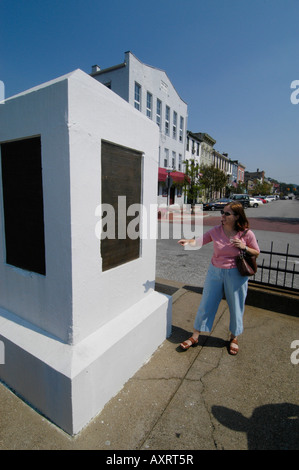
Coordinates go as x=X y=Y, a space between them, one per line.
x=244 y=233
x=242 y=252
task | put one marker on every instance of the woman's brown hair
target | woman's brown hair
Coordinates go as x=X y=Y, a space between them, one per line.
x=242 y=221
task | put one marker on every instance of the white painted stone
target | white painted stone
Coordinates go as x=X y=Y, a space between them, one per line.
x=73 y=337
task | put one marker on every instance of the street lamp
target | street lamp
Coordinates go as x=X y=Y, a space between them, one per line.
x=169 y=182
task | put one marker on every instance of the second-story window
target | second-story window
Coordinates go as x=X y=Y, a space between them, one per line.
x=149 y=101
x=167 y=118
x=137 y=96
x=193 y=147
x=158 y=114
x=180 y=162
x=166 y=157
x=181 y=128
x=173 y=160
x=174 y=125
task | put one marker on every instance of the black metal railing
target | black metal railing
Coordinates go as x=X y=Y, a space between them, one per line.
x=278 y=269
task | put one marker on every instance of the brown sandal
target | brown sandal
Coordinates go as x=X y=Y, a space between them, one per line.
x=233 y=350
x=186 y=346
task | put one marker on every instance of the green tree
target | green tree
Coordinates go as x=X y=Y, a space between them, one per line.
x=192 y=183
x=239 y=189
x=262 y=188
x=213 y=180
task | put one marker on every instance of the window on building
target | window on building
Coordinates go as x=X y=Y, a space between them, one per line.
x=167 y=119
x=193 y=147
x=174 y=125
x=166 y=157
x=180 y=162
x=173 y=160
x=159 y=111
x=149 y=103
x=137 y=96
x=188 y=140
x=181 y=129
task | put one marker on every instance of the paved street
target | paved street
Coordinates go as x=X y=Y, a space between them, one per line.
x=284 y=209
x=276 y=222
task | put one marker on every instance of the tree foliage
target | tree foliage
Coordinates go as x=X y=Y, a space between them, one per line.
x=213 y=180
x=192 y=182
x=262 y=188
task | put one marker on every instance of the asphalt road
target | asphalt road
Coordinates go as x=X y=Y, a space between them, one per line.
x=286 y=209
x=275 y=223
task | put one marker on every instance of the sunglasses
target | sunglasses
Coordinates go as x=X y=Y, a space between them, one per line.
x=226 y=213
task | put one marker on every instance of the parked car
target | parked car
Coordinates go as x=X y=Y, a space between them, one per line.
x=270 y=198
x=264 y=201
x=214 y=205
x=243 y=198
x=255 y=202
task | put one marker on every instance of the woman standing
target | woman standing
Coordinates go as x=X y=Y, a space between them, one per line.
x=231 y=236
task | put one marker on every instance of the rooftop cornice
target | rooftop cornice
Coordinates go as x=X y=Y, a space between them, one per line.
x=109 y=69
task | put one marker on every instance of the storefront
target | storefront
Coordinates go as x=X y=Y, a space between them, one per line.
x=170 y=187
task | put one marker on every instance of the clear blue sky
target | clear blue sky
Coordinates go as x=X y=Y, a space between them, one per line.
x=232 y=61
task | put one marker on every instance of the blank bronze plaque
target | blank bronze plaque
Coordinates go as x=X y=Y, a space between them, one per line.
x=23 y=204
x=121 y=176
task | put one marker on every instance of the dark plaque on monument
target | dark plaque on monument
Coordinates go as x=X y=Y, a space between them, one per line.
x=23 y=204
x=121 y=177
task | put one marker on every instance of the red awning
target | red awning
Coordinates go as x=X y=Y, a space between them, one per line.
x=162 y=174
x=177 y=176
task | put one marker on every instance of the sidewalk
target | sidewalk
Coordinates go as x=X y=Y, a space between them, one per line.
x=198 y=399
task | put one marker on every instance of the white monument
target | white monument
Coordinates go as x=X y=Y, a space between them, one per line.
x=75 y=325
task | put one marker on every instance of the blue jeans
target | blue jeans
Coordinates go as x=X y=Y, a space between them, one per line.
x=219 y=281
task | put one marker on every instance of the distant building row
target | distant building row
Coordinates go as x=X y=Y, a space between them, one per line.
x=151 y=92
x=200 y=146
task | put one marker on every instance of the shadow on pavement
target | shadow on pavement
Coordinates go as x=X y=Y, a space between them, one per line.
x=270 y=427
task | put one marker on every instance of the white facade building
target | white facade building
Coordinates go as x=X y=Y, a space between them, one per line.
x=199 y=146
x=193 y=147
x=150 y=91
